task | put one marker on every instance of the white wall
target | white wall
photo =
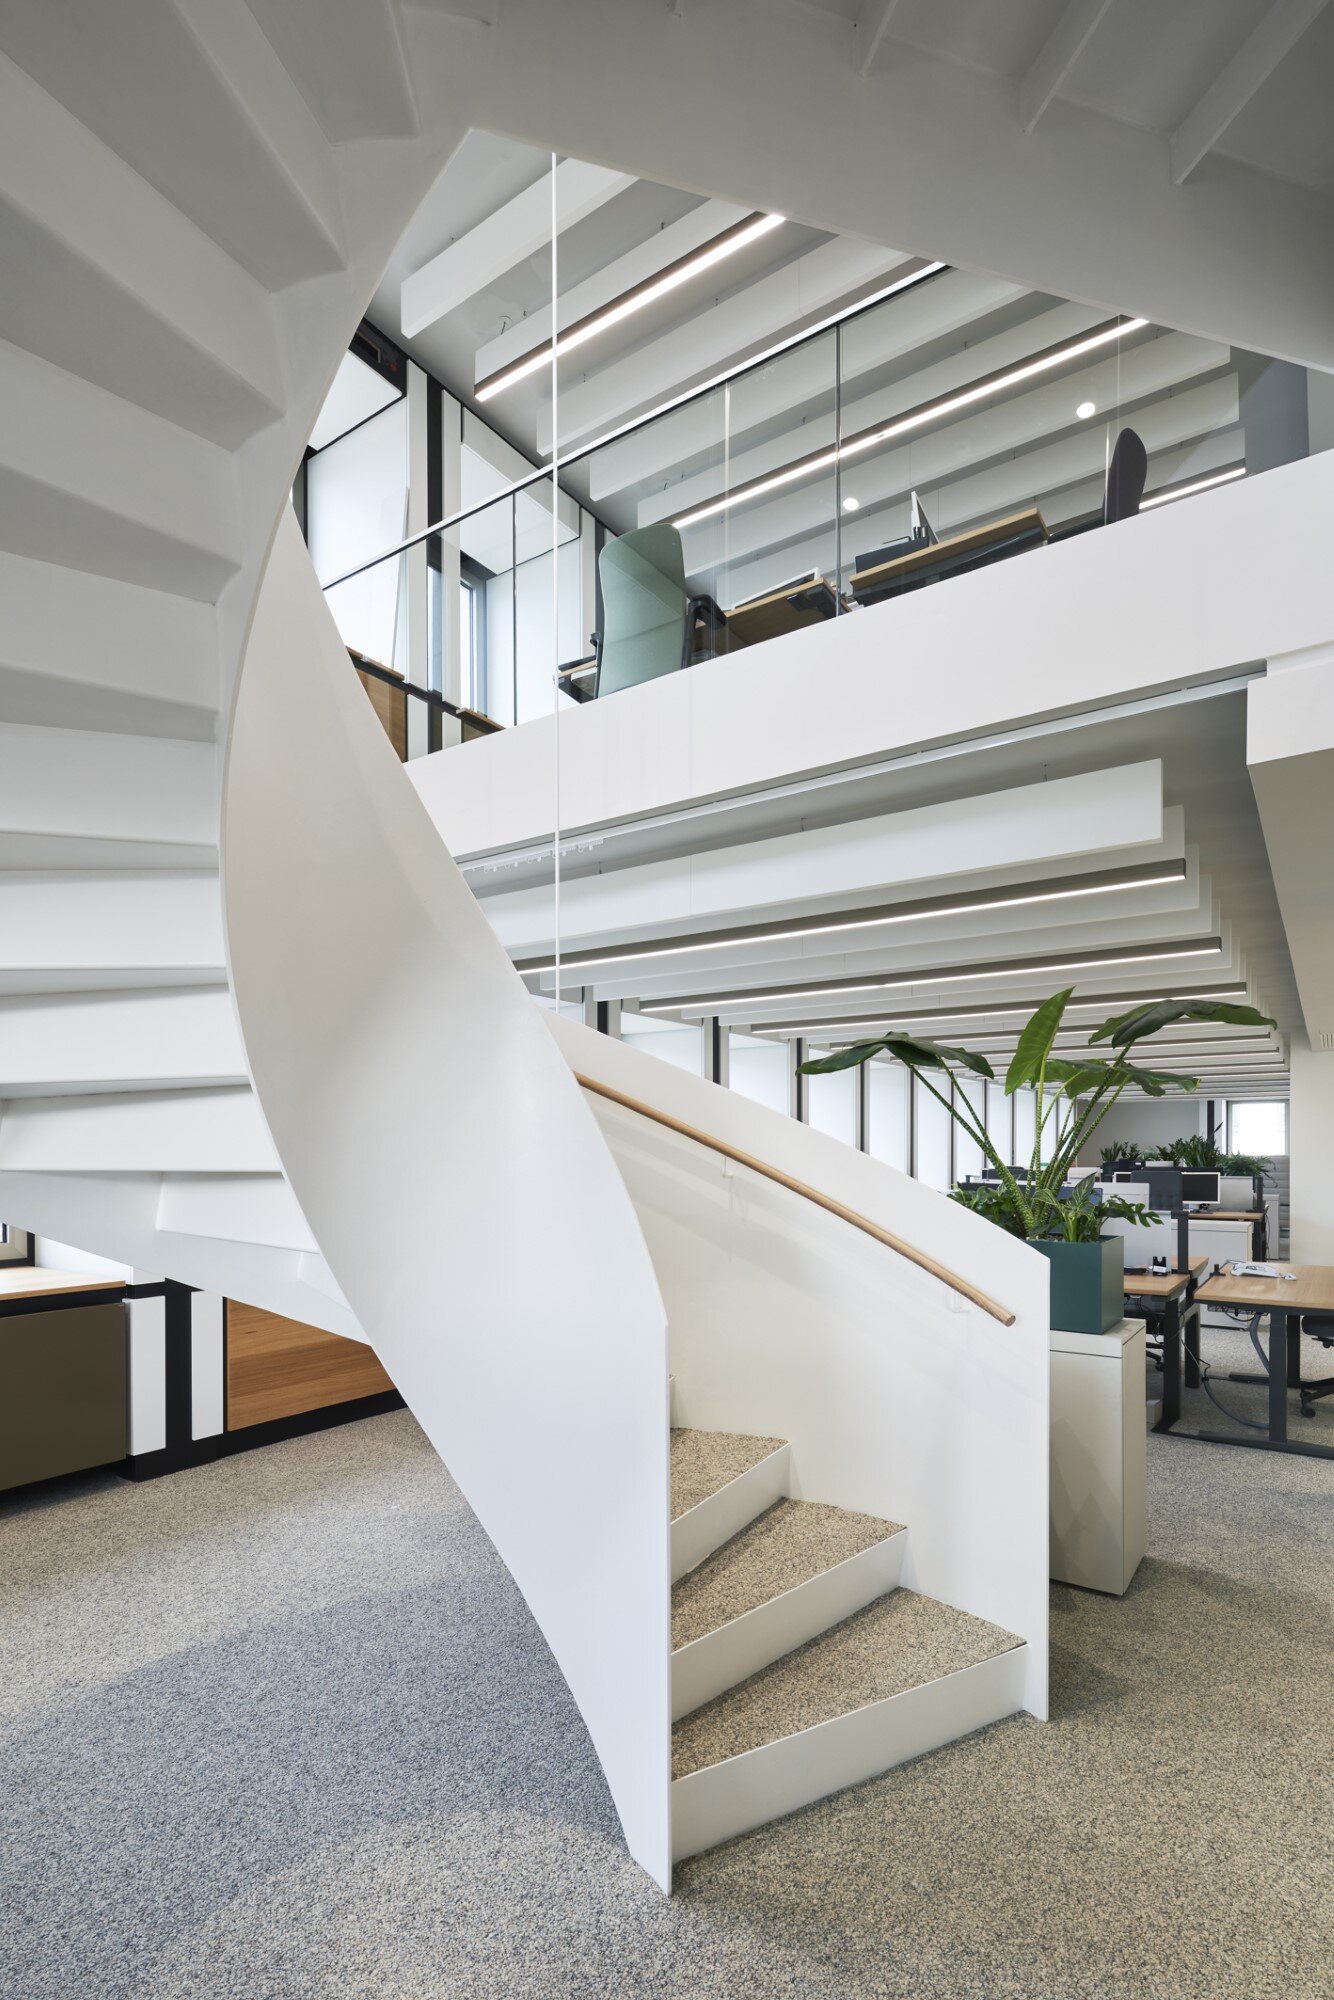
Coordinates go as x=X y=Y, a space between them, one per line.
x=1150 y=1122
x=52 y=1256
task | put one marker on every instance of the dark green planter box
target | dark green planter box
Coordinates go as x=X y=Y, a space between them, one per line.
x=1086 y=1284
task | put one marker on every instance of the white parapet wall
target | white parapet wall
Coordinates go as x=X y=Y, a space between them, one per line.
x=1183 y=593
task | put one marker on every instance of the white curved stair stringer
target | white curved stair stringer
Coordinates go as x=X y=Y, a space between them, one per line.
x=458 y=1185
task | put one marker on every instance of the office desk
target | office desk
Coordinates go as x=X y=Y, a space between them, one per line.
x=1162 y=1297
x=969 y=550
x=782 y=611
x=1310 y=1290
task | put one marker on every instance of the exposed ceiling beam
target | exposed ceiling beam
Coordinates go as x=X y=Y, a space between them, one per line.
x=623 y=274
x=1258 y=57
x=873 y=18
x=719 y=334
x=519 y=229
x=1057 y=57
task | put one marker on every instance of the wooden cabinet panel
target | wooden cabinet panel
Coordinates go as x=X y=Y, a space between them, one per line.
x=280 y=1367
x=391 y=705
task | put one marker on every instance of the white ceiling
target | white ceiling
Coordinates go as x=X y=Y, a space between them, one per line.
x=1210 y=818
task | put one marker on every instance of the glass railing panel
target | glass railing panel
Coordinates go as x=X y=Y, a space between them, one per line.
x=697 y=485
x=959 y=422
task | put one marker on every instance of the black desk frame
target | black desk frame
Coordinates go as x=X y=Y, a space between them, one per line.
x=1285 y=1373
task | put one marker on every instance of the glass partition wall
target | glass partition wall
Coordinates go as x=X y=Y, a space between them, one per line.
x=951 y=422
x=560 y=525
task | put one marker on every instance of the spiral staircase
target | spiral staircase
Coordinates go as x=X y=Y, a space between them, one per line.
x=255 y=1034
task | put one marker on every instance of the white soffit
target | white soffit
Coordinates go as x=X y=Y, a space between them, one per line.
x=1019 y=828
x=518 y=230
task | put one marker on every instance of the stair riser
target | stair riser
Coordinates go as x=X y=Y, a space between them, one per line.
x=718 y=1661
x=704 y=1528
x=111 y=487
x=727 y=1799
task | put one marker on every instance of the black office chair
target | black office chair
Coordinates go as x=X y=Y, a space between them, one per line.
x=1125 y=478
x=1320 y=1326
x=1123 y=492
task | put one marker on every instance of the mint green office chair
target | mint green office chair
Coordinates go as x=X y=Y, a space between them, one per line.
x=648 y=616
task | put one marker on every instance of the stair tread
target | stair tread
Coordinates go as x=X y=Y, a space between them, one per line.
x=791 y=1543
x=901 y=1641
x=703 y=1462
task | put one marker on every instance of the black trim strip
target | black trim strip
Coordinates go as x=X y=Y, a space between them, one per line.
x=111 y=1295
x=205 y=1451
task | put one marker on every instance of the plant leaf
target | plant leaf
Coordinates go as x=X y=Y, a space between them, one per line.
x=1154 y=1082
x=850 y=1058
x=1077 y=1077
x=916 y=1054
x=1122 y=1029
x=1035 y=1043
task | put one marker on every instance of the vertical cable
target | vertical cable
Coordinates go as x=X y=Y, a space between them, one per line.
x=555 y=596
x=838 y=469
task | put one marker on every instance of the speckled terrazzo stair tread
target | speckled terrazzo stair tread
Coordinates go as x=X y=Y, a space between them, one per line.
x=897 y=1643
x=703 y=1462
x=794 y=1541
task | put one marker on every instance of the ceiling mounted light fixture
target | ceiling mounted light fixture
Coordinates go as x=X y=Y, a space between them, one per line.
x=913 y=420
x=739 y=237
x=936 y=1017
x=1166 y=493
x=851 y=504
x=968 y=903
x=1086 y=410
x=958 y=975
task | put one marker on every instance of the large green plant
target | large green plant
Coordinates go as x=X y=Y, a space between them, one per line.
x=1203 y=1155
x=1028 y=1200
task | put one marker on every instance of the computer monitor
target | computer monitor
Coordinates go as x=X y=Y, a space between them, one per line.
x=920 y=535
x=921 y=528
x=1164 y=1185
x=1202 y=1187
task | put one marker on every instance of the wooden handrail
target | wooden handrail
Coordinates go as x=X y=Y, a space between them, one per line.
x=825 y=1201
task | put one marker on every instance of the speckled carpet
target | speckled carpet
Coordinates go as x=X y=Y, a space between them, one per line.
x=282 y=1729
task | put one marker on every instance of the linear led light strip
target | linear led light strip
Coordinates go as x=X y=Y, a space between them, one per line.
x=1164 y=494
x=675 y=275
x=913 y=420
x=959 y=975
x=852 y=921
x=942 y=1015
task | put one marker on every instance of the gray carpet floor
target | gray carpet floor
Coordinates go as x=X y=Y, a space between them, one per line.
x=282 y=1729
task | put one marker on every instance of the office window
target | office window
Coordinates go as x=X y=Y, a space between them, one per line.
x=968 y=1157
x=887 y=1114
x=1025 y=1126
x=356 y=507
x=831 y=1103
x=1259 y=1127
x=681 y=1044
x=931 y=1125
x=1000 y=1121
x=760 y=1070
